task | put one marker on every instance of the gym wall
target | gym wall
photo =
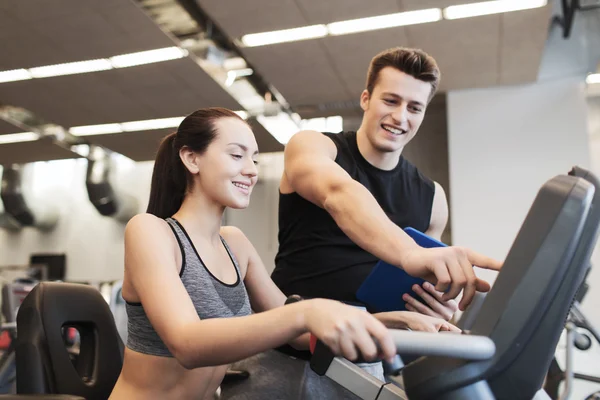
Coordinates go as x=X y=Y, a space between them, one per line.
x=504 y=143
x=593 y=296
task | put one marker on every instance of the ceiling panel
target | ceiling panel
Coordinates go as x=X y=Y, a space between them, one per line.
x=352 y=54
x=468 y=55
x=71 y=30
x=139 y=146
x=521 y=50
x=169 y=89
x=323 y=12
x=318 y=76
x=301 y=71
x=39 y=150
x=5 y=127
x=346 y=109
x=240 y=17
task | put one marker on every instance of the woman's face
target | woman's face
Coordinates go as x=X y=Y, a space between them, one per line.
x=227 y=171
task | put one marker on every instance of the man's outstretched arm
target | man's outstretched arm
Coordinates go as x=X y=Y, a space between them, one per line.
x=310 y=170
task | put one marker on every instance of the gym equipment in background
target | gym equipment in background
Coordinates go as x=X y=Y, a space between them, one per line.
x=21 y=205
x=105 y=196
x=575 y=338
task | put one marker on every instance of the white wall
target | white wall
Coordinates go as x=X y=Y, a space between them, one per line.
x=593 y=297
x=504 y=143
x=93 y=243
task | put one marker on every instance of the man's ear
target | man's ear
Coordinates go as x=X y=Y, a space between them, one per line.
x=189 y=159
x=364 y=100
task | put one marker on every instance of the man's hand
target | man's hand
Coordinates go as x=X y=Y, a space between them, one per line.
x=414 y=321
x=450 y=269
x=438 y=308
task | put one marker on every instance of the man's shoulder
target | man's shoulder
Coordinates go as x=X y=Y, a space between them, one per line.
x=411 y=170
x=340 y=137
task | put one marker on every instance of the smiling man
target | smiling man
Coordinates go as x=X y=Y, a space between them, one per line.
x=345 y=198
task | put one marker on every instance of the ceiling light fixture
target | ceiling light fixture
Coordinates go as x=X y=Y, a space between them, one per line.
x=385 y=21
x=78 y=67
x=490 y=7
x=101 y=64
x=18 y=137
x=285 y=35
x=14 y=75
x=148 y=57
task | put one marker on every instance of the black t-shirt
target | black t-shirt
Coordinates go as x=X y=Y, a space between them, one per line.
x=315 y=257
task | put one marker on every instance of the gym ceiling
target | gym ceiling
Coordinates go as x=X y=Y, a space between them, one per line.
x=311 y=78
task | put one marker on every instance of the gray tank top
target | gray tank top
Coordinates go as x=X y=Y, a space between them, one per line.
x=211 y=297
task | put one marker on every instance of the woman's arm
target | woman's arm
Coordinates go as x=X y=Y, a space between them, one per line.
x=264 y=294
x=151 y=269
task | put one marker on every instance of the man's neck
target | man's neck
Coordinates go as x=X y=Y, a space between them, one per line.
x=379 y=159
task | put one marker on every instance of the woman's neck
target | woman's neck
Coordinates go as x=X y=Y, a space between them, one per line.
x=200 y=216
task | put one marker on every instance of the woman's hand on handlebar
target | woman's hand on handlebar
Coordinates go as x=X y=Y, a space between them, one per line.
x=348 y=331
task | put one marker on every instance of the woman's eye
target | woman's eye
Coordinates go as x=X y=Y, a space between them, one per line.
x=236 y=156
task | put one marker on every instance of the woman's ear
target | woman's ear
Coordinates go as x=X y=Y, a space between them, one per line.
x=189 y=159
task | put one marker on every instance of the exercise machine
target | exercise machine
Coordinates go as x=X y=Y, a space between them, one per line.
x=511 y=343
x=579 y=334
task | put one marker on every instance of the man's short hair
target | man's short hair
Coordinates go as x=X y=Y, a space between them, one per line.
x=414 y=62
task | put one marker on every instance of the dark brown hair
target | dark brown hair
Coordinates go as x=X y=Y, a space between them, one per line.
x=170 y=178
x=413 y=62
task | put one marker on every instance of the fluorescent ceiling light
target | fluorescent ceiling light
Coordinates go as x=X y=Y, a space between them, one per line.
x=19 y=137
x=133 y=126
x=14 y=75
x=95 y=129
x=79 y=67
x=593 y=78
x=102 y=64
x=151 y=124
x=286 y=35
x=148 y=57
x=490 y=7
x=281 y=126
x=385 y=21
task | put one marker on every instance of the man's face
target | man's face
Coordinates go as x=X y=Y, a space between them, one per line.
x=395 y=109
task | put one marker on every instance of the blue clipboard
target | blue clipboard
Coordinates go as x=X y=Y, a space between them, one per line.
x=386 y=284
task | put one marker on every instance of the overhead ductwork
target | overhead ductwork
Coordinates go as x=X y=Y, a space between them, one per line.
x=6 y=220
x=105 y=196
x=20 y=206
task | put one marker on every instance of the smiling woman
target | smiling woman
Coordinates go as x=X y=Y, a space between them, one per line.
x=191 y=285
